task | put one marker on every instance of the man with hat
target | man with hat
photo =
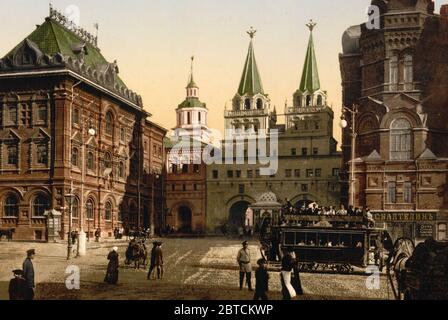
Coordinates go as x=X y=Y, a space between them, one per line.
x=28 y=273
x=17 y=286
x=243 y=259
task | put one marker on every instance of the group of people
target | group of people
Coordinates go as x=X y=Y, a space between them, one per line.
x=21 y=287
x=289 y=276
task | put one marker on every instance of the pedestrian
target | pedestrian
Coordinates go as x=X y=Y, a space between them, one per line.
x=285 y=276
x=28 y=273
x=112 y=267
x=152 y=264
x=295 y=280
x=243 y=259
x=261 y=281
x=97 y=235
x=17 y=286
x=158 y=260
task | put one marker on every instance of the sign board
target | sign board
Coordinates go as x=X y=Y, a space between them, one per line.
x=425 y=231
x=405 y=217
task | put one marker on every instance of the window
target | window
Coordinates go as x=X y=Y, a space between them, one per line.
x=75 y=156
x=319 y=100
x=42 y=113
x=309 y=173
x=241 y=188
x=196 y=168
x=108 y=212
x=288 y=173
x=185 y=168
x=250 y=174
x=174 y=168
x=42 y=154
x=108 y=161
x=75 y=208
x=335 y=172
x=195 y=187
x=121 y=170
x=259 y=104
x=318 y=173
x=257 y=173
x=89 y=209
x=199 y=117
x=297 y=173
x=392 y=192
x=407 y=192
x=40 y=205
x=393 y=70
x=173 y=187
x=229 y=174
x=315 y=151
x=122 y=135
x=109 y=123
x=304 y=188
x=247 y=104
x=400 y=140
x=294 y=152
x=304 y=151
x=308 y=100
x=184 y=187
x=13 y=155
x=188 y=118
x=238 y=173
x=11 y=206
x=442 y=232
x=90 y=161
x=215 y=174
x=408 y=72
x=75 y=116
x=12 y=115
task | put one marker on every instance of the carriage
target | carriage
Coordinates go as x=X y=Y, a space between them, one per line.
x=327 y=243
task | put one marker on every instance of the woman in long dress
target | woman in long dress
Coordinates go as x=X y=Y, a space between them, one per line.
x=112 y=267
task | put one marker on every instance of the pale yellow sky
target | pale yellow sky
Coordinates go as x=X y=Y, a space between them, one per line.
x=154 y=40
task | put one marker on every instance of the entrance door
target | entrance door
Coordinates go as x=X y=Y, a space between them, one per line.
x=237 y=214
x=185 y=220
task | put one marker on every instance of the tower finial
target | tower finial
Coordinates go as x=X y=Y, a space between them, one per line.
x=311 y=25
x=251 y=32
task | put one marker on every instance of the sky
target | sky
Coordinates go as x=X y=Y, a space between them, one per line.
x=154 y=40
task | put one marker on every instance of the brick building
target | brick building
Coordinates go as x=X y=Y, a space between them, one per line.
x=69 y=125
x=397 y=76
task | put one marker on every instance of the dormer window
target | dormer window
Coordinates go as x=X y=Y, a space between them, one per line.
x=26 y=58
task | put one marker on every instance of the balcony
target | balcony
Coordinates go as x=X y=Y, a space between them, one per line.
x=304 y=110
x=245 y=113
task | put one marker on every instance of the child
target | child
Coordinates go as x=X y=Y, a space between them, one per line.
x=17 y=286
x=262 y=281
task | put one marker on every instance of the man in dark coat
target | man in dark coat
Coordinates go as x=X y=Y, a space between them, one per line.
x=158 y=260
x=17 y=286
x=28 y=273
x=112 y=267
x=153 y=260
x=262 y=281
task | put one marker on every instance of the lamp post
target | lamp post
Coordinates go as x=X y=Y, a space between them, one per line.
x=82 y=235
x=344 y=124
x=69 y=199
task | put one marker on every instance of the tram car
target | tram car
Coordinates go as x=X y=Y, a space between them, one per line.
x=333 y=243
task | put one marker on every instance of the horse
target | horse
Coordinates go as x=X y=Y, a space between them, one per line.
x=139 y=255
x=7 y=233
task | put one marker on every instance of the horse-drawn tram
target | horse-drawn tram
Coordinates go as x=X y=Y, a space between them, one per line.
x=328 y=243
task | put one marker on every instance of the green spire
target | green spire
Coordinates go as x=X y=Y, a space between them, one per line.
x=250 y=80
x=191 y=83
x=310 y=75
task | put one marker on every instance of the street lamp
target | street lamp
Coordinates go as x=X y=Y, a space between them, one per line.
x=82 y=235
x=69 y=199
x=344 y=124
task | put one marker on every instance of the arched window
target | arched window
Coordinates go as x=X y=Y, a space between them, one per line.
x=40 y=205
x=90 y=161
x=400 y=140
x=299 y=101
x=11 y=206
x=75 y=157
x=90 y=207
x=108 y=212
x=75 y=208
x=319 y=100
x=107 y=161
x=121 y=170
x=109 y=123
x=247 y=104
x=259 y=104
x=308 y=100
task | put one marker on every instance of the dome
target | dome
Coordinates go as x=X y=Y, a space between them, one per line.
x=350 y=40
x=268 y=197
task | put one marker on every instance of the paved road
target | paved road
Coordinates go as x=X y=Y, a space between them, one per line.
x=194 y=269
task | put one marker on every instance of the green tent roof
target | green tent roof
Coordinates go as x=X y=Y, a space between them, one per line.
x=192 y=103
x=53 y=38
x=310 y=76
x=250 y=80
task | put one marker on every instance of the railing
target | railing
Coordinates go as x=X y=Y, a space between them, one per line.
x=245 y=113
x=294 y=110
